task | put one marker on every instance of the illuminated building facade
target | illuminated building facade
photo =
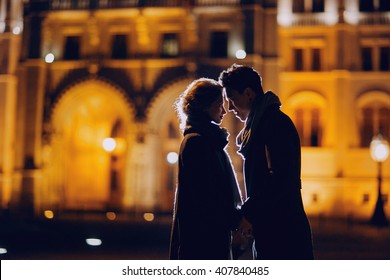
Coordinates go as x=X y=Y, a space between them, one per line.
x=87 y=87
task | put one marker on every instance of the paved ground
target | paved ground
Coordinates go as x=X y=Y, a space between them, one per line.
x=133 y=238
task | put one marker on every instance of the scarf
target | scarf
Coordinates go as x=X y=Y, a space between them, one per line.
x=202 y=123
x=259 y=106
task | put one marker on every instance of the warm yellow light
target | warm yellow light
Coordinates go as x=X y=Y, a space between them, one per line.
x=49 y=58
x=109 y=144
x=240 y=54
x=331 y=18
x=114 y=145
x=149 y=217
x=285 y=19
x=351 y=17
x=48 y=214
x=120 y=147
x=111 y=216
x=172 y=157
x=379 y=149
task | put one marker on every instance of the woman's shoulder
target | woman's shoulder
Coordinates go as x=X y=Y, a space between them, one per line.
x=194 y=146
x=194 y=138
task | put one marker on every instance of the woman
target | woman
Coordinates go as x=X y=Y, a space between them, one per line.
x=207 y=195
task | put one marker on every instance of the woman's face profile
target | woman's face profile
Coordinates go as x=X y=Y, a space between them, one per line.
x=217 y=110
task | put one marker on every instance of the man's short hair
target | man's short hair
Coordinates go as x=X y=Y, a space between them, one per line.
x=240 y=77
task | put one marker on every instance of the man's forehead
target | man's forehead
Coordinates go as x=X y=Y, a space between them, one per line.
x=230 y=92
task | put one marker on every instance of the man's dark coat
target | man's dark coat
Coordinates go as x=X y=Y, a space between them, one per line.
x=272 y=171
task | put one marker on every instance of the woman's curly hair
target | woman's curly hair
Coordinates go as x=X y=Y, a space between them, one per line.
x=198 y=97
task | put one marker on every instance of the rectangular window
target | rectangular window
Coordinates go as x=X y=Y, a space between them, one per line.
x=299 y=6
x=119 y=47
x=72 y=48
x=219 y=44
x=384 y=5
x=384 y=59
x=318 y=6
x=315 y=133
x=366 y=5
x=367 y=59
x=298 y=59
x=169 y=45
x=316 y=60
x=4 y=57
x=34 y=47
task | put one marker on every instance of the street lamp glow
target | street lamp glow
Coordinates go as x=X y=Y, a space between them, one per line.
x=111 y=216
x=3 y=251
x=379 y=149
x=49 y=58
x=240 y=54
x=48 y=214
x=109 y=144
x=149 y=217
x=172 y=157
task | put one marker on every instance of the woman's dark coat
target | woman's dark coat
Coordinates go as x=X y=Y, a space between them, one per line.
x=274 y=205
x=205 y=211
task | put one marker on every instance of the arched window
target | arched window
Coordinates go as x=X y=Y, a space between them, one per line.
x=374 y=112
x=307 y=111
x=375 y=119
x=308 y=124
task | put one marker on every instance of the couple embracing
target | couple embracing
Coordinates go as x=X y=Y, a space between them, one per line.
x=208 y=207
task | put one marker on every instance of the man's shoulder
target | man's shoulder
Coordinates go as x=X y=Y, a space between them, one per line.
x=274 y=113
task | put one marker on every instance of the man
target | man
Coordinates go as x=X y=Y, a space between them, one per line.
x=270 y=147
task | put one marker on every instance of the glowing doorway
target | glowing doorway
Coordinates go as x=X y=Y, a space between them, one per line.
x=84 y=174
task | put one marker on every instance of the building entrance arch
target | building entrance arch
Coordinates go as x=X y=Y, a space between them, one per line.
x=83 y=173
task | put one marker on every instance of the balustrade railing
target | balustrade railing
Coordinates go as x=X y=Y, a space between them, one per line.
x=109 y=4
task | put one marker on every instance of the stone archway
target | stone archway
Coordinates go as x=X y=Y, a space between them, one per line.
x=81 y=174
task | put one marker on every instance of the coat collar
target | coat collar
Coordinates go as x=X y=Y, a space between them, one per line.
x=205 y=127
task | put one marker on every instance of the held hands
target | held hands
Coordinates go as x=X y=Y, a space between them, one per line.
x=241 y=238
x=245 y=228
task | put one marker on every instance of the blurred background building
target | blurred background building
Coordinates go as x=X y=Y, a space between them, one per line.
x=87 y=90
